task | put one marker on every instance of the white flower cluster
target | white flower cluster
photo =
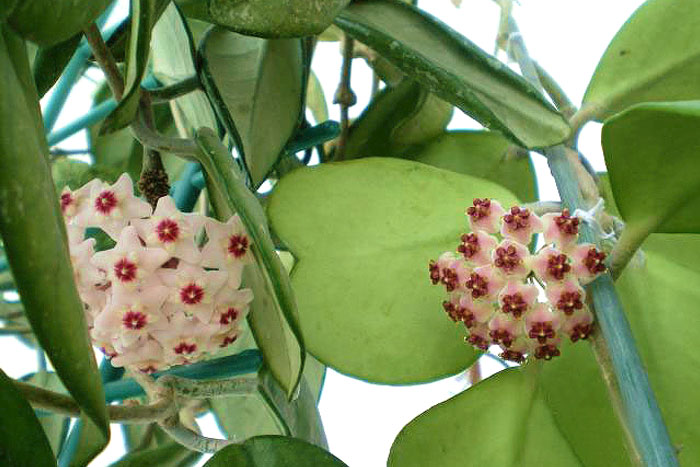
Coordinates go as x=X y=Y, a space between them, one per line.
x=156 y=299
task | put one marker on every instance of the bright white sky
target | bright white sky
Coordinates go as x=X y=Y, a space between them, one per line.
x=567 y=37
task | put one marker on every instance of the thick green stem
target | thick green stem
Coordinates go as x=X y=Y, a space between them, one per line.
x=640 y=412
x=175 y=90
x=629 y=242
x=190 y=439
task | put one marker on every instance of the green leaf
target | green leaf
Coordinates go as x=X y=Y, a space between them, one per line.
x=55 y=426
x=651 y=154
x=364 y=232
x=48 y=22
x=273 y=451
x=280 y=18
x=22 y=439
x=143 y=17
x=50 y=61
x=316 y=99
x=6 y=8
x=34 y=236
x=660 y=297
x=484 y=154
x=274 y=311
x=173 y=61
x=501 y=421
x=396 y=118
x=653 y=57
x=264 y=93
x=455 y=69
x=168 y=455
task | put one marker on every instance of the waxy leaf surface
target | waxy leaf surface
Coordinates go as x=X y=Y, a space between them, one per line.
x=273 y=451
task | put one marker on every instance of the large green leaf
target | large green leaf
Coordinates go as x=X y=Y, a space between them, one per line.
x=34 y=236
x=502 y=421
x=456 y=70
x=396 y=118
x=265 y=18
x=651 y=152
x=22 y=439
x=363 y=232
x=264 y=92
x=660 y=299
x=654 y=57
x=274 y=310
x=273 y=451
x=484 y=154
x=143 y=17
x=6 y=8
x=50 y=61
x=49 y=22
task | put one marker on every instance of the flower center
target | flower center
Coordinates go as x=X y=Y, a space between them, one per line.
x=449 y=279
x=566 y=223
x=541 y=331
x=594 y=261
x=459 y=313
x=237 y=245
x=581 y=331
x=503 y=336
x=547 y=351
x=478 y=341
x=507 y=258
x=66 y=200
x=558 y=266
x=513 y=356
x=481 y=208
x=434 y=272
x=185 y=348
x=168 y=231
x=228 y=340
x=105 y=202
x=134 y=320
x=469 y=245
x=569 y=302
x=517 y=218
x=191 y=294
x=125 y=270
x=514 y=304
x=478 y=285
x=228 y=316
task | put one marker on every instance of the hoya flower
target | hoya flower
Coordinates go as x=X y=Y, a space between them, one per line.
x=517 y=298
x=566 y=297
x=479 y=336
x=551 y=265
x=222 y=340
x=231 y=307
x=476 y=247
x=485 y=214
x=517 y=350
x=512 y=259
x=561 y=229
x=228 y=246
x=548 y=350
x=579 y=325
x=172 y=230
x=71 y=202
x=461 y=307
x=520 y=224
x=542 y=324
x=111 y=207
x=129 y=264
x=193 y=289
x=484 y=283
x=450 y=271
x=145 y=356
x=90 y=280
x=185 y=340
x=588 y=262
x=503 y=330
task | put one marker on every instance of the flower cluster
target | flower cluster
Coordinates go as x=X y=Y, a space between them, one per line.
x=156 y=299
x=490 y=280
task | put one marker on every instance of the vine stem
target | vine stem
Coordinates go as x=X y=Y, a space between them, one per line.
x=344 y=96
x=640 y=414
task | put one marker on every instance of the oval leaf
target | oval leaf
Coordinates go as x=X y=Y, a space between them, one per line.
x=455 y=69
x=34 y=236
x=652 y=159
x=653 y=57
x=274 y=311
x=265 y=92
x=364 y=232
x=49 y=22
x=501 y=421
x=22 y=439
x=50 y=61
x=273 y=451
x=279 y=18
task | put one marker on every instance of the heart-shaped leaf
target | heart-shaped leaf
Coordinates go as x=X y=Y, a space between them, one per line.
x=273 y=451
x=484 y=154
x=653 y=57
x=48 y=22
x=652 y=159
x=455 y=69
x=501 y=421
x=34 y=236
x=265 y=92
x=363 y=232
x=274 y=311
x=22 y=439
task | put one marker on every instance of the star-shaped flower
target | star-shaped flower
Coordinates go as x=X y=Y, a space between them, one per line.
x=185 y=340
x=73 y=202
x=566 y=297
x=485 y=214
x=193 y=289
x=517 y=298
x=520 y=224
x=551 y=265
x=542 y=323
x=228 y=246
x=476 y=247
x=588 y=262
x=512 y=259
x=561 y=229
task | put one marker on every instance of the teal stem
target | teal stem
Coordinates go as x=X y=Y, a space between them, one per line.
x=313 y=136
x=184 y=191
x=71 y=74
x=246 y=362
x=641 y=413
x=93 y=116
